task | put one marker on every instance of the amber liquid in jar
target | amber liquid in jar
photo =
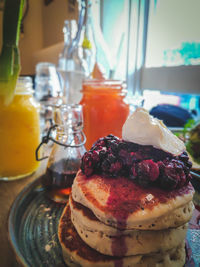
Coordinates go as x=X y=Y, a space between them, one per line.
x=66 y=153
x=58 y=181
x=104 y=109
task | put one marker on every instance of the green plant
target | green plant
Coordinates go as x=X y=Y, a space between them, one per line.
x=9 y=57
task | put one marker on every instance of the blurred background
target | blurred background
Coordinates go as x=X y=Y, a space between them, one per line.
x=153 y=45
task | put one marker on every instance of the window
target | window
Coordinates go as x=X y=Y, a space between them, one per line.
x=155 y=45
x=114 y=19
x=173 y=33
x=172 y=63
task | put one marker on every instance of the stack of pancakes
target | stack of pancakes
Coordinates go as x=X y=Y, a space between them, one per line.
x=115 y=222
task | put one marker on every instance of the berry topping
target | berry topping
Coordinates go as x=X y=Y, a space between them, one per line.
x=145 y=165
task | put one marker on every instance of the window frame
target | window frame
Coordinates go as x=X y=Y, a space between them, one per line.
x=174 y=79
x=179 y=79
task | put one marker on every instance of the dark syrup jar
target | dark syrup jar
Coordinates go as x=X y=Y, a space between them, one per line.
x=67 y=151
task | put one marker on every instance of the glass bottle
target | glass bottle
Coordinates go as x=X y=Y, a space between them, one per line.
x=47 y=83
x=65 y=60
x=47 y=92
x=88 y=44
x=104 y=109
x=71 y=65
x=66 y=154
x=95 y=49
x=19 y=133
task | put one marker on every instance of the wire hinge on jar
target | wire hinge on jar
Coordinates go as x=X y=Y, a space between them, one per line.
x=47 y=138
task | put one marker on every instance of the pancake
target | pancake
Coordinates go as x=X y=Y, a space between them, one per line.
x=77 y=253
x=120 y=203
x=90 y=222
x=111 y=241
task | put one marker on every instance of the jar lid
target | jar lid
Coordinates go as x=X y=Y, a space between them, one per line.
x=70 y=117
x=100 y=84
x=24 y=85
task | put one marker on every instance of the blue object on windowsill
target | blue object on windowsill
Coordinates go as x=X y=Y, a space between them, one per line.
x=171 y=115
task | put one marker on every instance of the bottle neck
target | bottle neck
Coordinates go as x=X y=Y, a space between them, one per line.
x=70 y=138
x=71 y=57
x=24 y=86
x=69 y=119
x=88 y=41
x=70 y=30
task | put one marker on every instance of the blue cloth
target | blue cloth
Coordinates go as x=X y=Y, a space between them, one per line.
x=172 y=116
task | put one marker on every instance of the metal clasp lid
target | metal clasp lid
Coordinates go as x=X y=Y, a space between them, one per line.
x=48 y=137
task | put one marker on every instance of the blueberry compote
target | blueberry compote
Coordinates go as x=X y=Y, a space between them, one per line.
x=145 y=165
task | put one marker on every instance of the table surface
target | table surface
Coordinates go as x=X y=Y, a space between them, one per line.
x=8 y=193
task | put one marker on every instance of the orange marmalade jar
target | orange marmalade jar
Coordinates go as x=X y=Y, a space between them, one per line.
x=19 y=132
x=104 y=109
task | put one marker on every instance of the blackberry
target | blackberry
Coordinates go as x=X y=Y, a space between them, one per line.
x=159 y=155
x=133 y=171
x=171 y=170
x=113 y=145
x=189 y=164
x=168 y=183
x=145 y=165
x=122 y=146
x=111 y=137
x=182 y=179
x=148 y=169
x=123 y=155
x=87 y=164
x=102 y=154
x=132 y=147
x=143 y=180
x=105 y=165
x=173 y=175
x=183 y=157
x=99 y=143
x=115 y=168
x=111 y=158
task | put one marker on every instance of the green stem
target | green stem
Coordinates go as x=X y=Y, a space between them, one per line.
x=9 y=58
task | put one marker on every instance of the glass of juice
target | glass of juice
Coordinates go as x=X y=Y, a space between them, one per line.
x=19 y=133
x=104 y=108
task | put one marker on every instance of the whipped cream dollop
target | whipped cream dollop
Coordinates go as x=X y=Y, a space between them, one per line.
x=142 y=128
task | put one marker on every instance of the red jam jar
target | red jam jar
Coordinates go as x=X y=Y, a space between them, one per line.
x=104 y=108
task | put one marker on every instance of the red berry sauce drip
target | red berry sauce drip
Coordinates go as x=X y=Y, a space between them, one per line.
x=118 y=263
x=125 y=198
x=119 y=248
